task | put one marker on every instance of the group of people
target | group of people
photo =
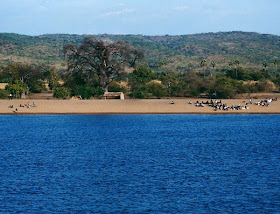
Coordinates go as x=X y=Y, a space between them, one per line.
x=218 y=105
x=225 y=107
x=266 y=102
x=27 y=105
x=209 y=103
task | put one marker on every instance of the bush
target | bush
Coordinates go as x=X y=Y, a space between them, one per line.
x=194 y=93
x=276 y=81
x=265 y=85
x=224 y=88
x=116 y=87
x=139 y=92
x=61 y=92
x=3 y=94
x=242 y=88
x=98 y=92
x=87 y=91
x=142 y=75
x=16 y=88
x=37 y=88
x=178 y=90
x=157 y=90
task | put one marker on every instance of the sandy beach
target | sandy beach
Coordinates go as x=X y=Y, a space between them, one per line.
x=130 y=106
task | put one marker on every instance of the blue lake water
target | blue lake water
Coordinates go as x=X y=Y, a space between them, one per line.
x=140 y=164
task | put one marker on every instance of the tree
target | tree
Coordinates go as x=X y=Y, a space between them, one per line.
x=51 y=76
x=16 y=88
x=213 y=64
x=3 y=94
x=223 y=88
x=104 y=58
x=25 y=73
x=141 y=75
x=276 y=63
x=235 y=63
x=116 y=87
x=156 y=89
x=230 y=64
x=203 y=65
x=86 y=91
x=265 y=66
x=61 y=92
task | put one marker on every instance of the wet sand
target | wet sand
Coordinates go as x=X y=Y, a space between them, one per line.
x=130 y=106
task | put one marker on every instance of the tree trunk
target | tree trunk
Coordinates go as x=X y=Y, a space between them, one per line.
x=106 y=88
x=204 y=73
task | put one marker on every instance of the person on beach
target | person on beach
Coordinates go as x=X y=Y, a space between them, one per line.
x=10 y=96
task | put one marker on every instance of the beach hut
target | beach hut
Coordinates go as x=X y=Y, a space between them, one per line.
x=113 y=95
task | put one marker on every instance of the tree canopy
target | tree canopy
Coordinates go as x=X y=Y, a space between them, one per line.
x=104 y=58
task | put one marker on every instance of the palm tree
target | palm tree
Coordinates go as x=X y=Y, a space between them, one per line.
x=276 y=63
x=265 y=66
x=236 y=63
x=203 y=64
x=213 y=64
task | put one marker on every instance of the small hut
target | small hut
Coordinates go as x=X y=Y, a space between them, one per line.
x=113 y=95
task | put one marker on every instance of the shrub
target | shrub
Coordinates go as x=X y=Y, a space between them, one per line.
x=139 y=92
x=142 y=75
x=224 y=88
x=37 y=88
x=61 y=92
x=3 y=94
x=194 y=93
x=156 y=89
x=116 y=87
x=276 y=81
x=16 y=88
x=87 y=91
x=178 y=90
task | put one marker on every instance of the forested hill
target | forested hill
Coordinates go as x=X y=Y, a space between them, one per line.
x=167 y=52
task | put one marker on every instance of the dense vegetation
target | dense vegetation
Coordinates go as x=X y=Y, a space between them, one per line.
x=164 y=53
x=219 y=65
x=143 y=82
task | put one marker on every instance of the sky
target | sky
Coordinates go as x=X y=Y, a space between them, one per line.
x=147 y=17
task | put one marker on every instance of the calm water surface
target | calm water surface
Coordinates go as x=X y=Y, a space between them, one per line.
x=140 y=164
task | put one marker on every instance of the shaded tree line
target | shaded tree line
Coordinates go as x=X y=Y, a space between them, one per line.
x=97 y=66
x=23 y=79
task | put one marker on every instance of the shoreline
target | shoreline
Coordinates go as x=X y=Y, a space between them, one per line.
x=152 y=113
x=119 y=107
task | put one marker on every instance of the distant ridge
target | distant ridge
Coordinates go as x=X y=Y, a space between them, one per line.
x=171 y=52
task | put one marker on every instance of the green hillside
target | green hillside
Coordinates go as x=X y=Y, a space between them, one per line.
x=177 y=53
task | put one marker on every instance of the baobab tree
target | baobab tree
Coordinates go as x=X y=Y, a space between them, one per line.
x=104 y=58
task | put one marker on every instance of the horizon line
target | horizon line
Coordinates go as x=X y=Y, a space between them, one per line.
x=137 y=34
